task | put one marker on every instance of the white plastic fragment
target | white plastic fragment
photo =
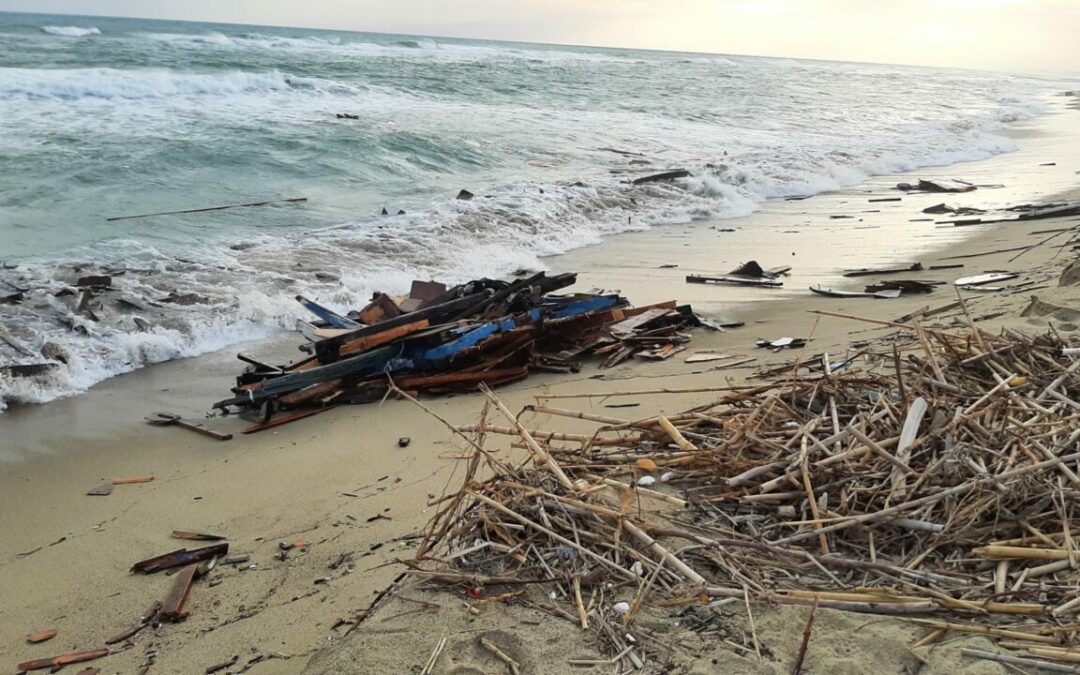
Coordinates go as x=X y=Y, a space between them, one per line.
x=646 y=481
x=621 y=608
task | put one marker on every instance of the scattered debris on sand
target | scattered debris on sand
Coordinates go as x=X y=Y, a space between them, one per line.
x=866 y=272
x=937 y=185
x=747 y=274
x=162 y=419
x=883 y=294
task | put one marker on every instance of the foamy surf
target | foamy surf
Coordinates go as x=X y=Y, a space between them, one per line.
x=70 y=31
x=164 y=306
x=113 y=83
x=165 y=116
x=426 y=48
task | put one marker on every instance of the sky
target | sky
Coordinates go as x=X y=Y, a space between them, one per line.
x=1015 y=35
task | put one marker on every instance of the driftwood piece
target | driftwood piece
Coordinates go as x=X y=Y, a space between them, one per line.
x=179 y=558
x=40 y=636
x=290 y=200
x=55 y=663
x=667 y=175
x=175 y=607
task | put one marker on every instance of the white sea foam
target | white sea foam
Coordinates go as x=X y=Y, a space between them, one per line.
x=194 y=40
x=249 y=291
x=518 y=125
x=404 y=47
x=113 y=83
x=70 y=31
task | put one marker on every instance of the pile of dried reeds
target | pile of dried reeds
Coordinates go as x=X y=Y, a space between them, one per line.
x=941 y=470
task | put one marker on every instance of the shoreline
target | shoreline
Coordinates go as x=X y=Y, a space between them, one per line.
x=200 y=328
x=773 y=234
x=322 y=479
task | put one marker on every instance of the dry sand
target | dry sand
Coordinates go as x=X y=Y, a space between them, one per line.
x=339 y=483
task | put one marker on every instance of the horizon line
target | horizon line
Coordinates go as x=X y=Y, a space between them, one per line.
x=1038 y=74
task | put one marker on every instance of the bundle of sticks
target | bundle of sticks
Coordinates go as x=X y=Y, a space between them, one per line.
x=933 y=477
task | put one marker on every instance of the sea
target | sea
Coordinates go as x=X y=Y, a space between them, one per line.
x=102 y=118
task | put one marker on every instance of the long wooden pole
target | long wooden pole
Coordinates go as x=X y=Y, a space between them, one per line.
x=290 y=200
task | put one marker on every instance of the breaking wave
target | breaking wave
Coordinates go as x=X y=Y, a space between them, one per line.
x=163 y=306
x=196 y=40
x=112 y=83
x=418 y=47
x=70 y=31
x=415 y=44
x=242 y=116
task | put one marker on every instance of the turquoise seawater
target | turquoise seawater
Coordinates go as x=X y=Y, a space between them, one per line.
x=104 y=117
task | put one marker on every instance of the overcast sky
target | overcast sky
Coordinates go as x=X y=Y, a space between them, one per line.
x=1028 y=35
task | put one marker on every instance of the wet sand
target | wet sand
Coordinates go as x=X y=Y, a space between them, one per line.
x=340 y=483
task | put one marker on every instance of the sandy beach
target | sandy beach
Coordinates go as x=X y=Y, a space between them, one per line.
x=339 y=490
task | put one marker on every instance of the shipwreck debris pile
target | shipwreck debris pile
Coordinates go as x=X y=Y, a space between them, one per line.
x=936 y=481
x=440 y=340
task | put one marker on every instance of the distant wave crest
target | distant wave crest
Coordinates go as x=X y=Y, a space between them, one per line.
x=415 y=44
x=417 y=47
x=70 y=31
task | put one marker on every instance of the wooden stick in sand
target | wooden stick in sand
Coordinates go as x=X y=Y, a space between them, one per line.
x=811 y=498
x=753 y=628
x=986 y=630
x=511 y=664
x=675 y=435
x=583 y=616
x=429 y=667
x=291 y=200
x=1019 y=661
x=538 y=452
x=650 y=392
x=804 y=645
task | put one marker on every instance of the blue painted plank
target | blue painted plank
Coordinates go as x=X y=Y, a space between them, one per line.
x=585 y=306
x=329 y=316
x=477 y=334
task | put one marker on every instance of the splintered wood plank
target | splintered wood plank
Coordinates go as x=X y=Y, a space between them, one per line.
x=131 y=480
x=389 y=335
x=57 y=662
x=40 y=636
x=284 y=419
x=175 y=607
x=459 y=378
